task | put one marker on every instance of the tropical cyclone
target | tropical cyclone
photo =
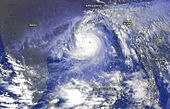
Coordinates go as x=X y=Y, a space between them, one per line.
x=121 y=60
x=87 y=44
x=100 y=52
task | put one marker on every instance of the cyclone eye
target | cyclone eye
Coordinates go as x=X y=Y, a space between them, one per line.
x=87 y=45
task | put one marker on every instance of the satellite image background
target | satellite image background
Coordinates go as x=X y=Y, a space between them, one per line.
x=84 y=54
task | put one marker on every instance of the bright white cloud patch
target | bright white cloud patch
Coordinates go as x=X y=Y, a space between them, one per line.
x=87 y=44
